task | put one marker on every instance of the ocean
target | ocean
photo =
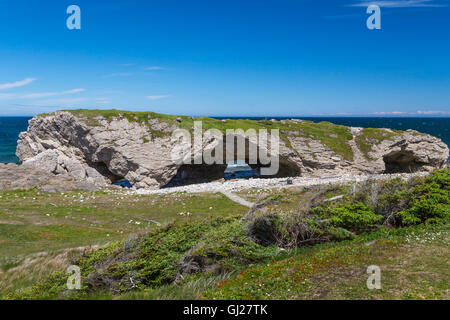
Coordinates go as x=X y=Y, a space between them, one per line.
x=10 y=127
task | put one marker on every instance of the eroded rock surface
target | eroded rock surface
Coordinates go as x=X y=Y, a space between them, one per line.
x=101 y=151
x=14 y=177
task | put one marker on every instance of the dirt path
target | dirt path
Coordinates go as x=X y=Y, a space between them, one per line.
x=237 y=199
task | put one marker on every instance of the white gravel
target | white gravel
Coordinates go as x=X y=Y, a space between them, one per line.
x=237 y=185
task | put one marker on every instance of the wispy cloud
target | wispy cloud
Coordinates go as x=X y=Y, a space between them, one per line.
x=64 y=102
x=118 y=74
x=153 y=68
x=51 y=94
x=102 y=100
x=433 y=112
x=127 y=74
x=7 y=95
x=343 y=16
x=156 y=97
x=16 y=84
x=415 y=113
x=39 y=95
x=402 y=3
x=54 y=104
x=392 y=113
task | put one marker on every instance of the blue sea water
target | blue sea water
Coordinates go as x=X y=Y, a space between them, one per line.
x=10 y=127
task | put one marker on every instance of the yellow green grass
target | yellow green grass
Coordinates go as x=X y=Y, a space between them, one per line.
x=413 y=263
x=33 y=222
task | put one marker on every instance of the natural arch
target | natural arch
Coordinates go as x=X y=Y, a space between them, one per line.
x=202 y=173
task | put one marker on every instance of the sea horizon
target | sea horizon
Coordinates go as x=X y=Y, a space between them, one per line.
x=433 y=125
x=276 y=117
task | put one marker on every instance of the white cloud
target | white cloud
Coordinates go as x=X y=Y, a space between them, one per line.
x=401 y=3
x=69 y=102
x=415 y=113
x=433 y=112
x=118 y=74
x=16 y=84
x=102 y=100
x=6 y=95
x=394 y=113
x=51 y=94
x=156 y=97
x=152 y=68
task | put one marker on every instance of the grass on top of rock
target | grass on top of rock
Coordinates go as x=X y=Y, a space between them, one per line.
x=336 y=137
x=267 y=246
x=372 y=136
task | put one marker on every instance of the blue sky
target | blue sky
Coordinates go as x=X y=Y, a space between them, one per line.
x=229 y=58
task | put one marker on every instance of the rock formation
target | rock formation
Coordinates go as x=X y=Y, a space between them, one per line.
x=105 y=146
x=13 y=177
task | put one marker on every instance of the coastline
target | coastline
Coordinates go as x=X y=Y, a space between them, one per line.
x=9 y=136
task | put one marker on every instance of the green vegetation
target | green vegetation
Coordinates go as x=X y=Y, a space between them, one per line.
x=372 y=136
x=154 y=261
x=336 y=137
x=45 y=224
x=413 y=263
x=356 y=216
x=301 y=243
x=33 y=221
x=428 y=202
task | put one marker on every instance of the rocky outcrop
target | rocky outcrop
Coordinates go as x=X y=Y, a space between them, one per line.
x=102 y=149
x=102 y=153
x=13 y=177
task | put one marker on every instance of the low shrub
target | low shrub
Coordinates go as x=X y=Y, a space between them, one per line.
x=430 y=201
x=262 y=229
x=393 y=202
x=356 y=217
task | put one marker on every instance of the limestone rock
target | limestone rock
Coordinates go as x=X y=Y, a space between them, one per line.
x=13 y=177
x=101 y=151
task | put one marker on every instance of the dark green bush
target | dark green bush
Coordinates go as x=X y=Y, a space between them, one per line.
x=430 y=201
x=356 y=216
x=392 y=197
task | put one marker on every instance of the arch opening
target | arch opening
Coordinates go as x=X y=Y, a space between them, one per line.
x=401 y=162
x=202 y=173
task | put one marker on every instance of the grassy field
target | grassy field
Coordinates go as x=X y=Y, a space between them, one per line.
x=300 y=243
x=41 y=226
x=413 y=262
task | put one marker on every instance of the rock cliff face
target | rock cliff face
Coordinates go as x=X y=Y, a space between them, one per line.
x=102 y=147
x=13 y=177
